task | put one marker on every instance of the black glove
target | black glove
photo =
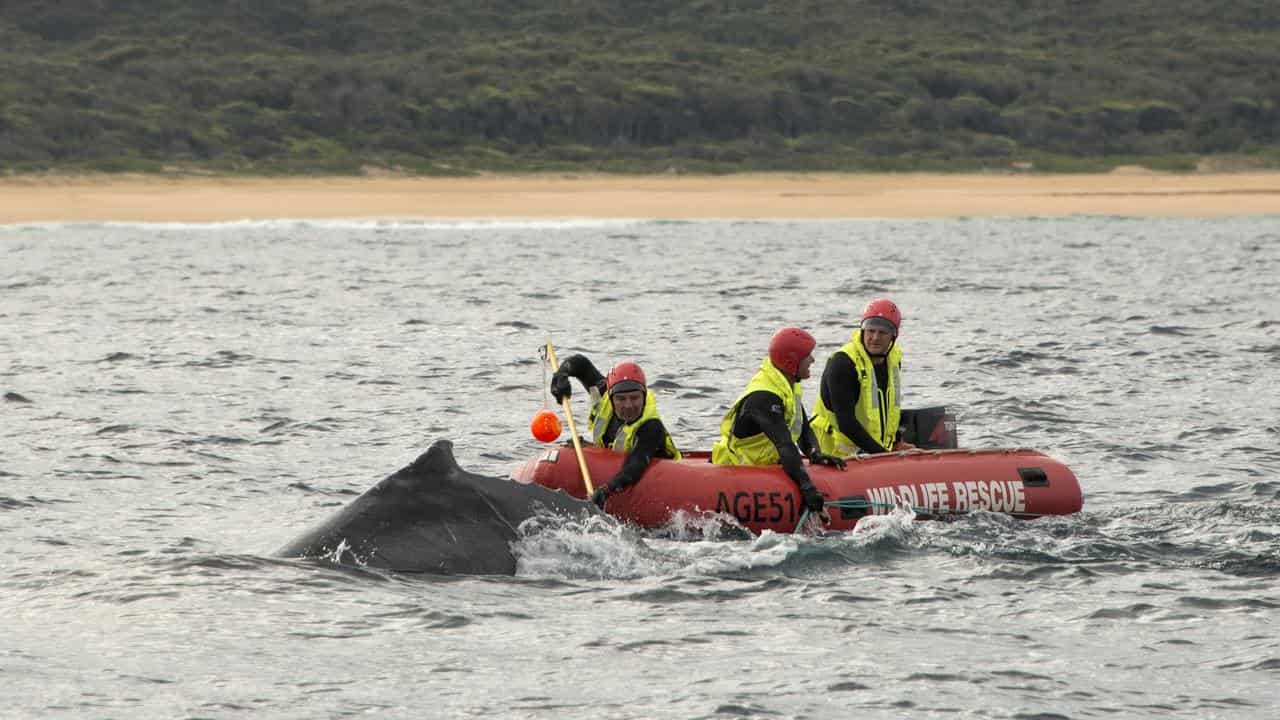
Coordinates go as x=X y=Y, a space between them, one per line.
x=560 y=386
x=821 y=458
x=600 y=495
x=813 y=499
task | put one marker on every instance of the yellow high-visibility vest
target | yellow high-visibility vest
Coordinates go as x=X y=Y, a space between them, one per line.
x=878 y=409
x=625 y=439
x=759 y=449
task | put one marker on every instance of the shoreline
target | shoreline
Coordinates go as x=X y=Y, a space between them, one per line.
x=1129 y=192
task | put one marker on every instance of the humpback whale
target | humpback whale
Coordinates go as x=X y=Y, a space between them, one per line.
x=433 y=516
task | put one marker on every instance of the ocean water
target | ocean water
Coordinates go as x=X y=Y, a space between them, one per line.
x=180 y=401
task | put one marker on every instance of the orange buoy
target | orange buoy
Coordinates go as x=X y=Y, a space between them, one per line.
x=545 y=426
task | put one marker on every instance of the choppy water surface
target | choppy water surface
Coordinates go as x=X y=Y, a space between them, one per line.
x=180 y=401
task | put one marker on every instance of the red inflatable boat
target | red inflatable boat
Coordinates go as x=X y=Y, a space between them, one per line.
x=933 y=483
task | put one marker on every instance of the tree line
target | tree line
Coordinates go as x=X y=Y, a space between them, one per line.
x=287 y=86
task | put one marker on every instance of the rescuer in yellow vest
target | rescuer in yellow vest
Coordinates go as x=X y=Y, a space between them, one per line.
x=624 y=417
x=767 y=423
x=860 y=397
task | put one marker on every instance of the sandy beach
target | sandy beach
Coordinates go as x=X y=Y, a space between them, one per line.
x=1137 y=193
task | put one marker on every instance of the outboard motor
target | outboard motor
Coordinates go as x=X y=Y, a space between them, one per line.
x=931 y=428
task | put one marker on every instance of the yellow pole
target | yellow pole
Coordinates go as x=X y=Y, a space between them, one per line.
x=573 y=430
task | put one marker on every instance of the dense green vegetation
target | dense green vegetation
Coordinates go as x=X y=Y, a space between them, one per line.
x=269 y=86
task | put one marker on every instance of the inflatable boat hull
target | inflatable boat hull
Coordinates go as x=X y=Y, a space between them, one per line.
x=936 y=483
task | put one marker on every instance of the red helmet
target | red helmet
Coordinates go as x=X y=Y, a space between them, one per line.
x=788 y=347
x=885 y=309
x=625 y=377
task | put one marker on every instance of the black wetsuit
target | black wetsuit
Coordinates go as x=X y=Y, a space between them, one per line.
x=761 y=412
x=650 y=437
x=840 y=380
